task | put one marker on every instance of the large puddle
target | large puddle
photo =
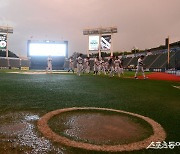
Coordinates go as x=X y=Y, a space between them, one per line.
x=18 y=134
x=100 y=128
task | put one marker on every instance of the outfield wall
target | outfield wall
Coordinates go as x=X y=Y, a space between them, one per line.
x=14 y=62
x=40 y=62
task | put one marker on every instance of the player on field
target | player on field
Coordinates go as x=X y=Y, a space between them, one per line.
x=106 y=65
x=140 y=67
x=87 y=65
x=79 y=65
x=96 y=65
x=121 y=67
x=84 y=65
x=118 y=67
x=71 y=65
x=103 y=68
x=49 y=64
x=111 y=66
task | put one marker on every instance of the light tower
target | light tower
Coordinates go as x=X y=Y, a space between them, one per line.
x=100 y=39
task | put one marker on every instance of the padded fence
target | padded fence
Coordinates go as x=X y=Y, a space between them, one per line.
x=13 y=62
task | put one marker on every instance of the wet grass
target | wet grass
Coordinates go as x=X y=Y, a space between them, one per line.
x=155 y=99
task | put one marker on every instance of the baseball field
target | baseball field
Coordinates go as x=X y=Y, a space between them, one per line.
x=26 y=97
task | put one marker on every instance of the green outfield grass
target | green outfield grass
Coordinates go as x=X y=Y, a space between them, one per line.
x=43 y=93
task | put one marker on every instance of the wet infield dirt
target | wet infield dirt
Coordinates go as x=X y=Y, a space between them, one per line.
x=19 y=135
x=100 y=129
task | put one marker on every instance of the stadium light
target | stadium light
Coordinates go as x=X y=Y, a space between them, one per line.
x=108 y=30
x=6 y=29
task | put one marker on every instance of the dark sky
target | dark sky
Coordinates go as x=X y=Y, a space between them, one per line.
x=140 y=23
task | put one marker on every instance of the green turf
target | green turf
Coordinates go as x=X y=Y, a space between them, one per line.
x=156 y=99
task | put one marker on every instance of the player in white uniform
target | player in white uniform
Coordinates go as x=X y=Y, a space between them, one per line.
x=86 y=65
x=117 y=64
x=118 y=67
x=121 y=67
x=96 y=65
x=140 y=67
x=71 y=65
x=79 y=65
x=102 y=63
x=49 y=64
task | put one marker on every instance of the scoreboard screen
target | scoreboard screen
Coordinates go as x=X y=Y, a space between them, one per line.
x=47 y=48
x=3 y=41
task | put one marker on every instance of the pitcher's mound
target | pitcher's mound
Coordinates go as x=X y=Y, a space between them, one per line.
x=100 y=129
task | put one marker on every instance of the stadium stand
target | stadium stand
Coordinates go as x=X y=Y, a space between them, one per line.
x=160 y=61
x=177 y=60
x=149 y=60
x=24 y=63
x=3 y=62
x=157 y=58
x=14 y=62
x=126 y=61
x=172 y=61
x=133 y=62
x=153 y=61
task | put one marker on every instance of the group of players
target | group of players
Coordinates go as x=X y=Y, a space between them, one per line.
x=112 y=66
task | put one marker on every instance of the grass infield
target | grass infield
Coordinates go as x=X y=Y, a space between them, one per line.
x=158 y=100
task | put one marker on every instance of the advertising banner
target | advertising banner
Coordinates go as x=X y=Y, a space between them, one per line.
x=93 y=43
x=106 y=42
